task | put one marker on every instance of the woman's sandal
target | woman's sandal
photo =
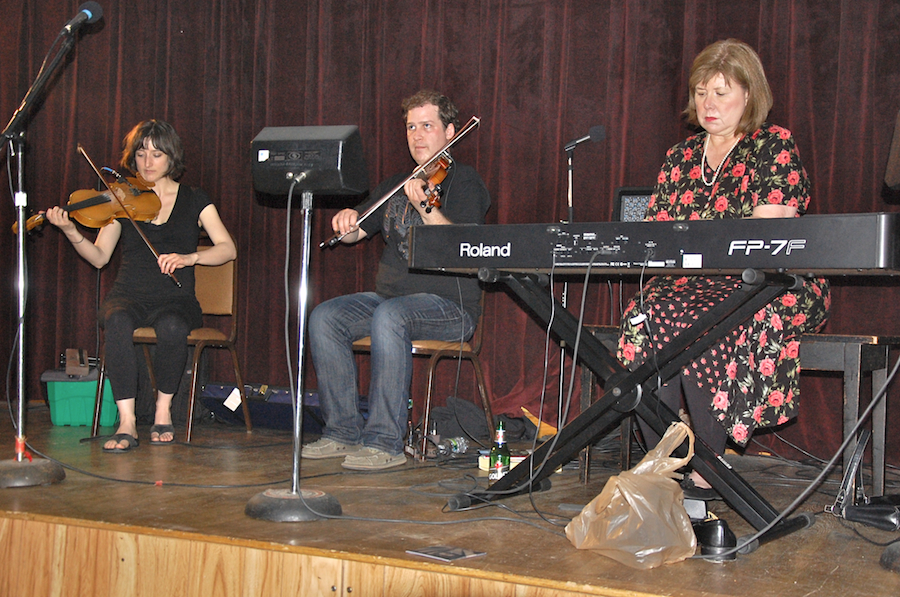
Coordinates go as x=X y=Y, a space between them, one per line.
x=129 y=440
x=159 y=430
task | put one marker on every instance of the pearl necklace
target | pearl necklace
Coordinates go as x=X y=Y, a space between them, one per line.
x=710 y=183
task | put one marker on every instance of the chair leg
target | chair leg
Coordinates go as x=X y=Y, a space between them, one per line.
x=429 y=392
x=195 y=380
x=240 y=384
x=98 y=400
x=852 y=368
x=879 y=419
x=195 y=383
x=482 y=389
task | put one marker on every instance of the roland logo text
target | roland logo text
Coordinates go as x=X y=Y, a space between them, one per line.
x=483 y=250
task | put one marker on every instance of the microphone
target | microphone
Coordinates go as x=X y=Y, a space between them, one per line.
x=119 y=178
x=89 y=12
x=595 y=134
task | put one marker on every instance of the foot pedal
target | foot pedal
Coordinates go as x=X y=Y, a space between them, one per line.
x=851 y=489
x=852 y=504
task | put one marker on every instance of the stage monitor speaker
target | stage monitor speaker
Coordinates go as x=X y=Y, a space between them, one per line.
x=330 y=157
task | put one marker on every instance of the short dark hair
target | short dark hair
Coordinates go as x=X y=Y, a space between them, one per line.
x=446 y=110
x=738 y=63
x=164 y=138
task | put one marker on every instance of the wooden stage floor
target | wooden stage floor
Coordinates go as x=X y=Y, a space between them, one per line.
x=170 y=520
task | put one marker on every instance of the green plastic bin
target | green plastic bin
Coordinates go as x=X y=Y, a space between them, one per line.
x=71 y=399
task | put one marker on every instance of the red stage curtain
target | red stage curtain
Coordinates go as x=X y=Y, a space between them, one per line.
x=538 y=73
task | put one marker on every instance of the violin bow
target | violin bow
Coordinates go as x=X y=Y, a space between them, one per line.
x=124 y=209
x=416 y=173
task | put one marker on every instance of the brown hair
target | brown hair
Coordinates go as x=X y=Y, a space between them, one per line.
x=164 y=138
x=739 y=64
x=446 y=110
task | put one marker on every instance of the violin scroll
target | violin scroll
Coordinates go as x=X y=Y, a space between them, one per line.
x=435 y=178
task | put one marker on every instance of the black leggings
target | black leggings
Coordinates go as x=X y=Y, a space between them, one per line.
x=698 y=401
x=121 y=360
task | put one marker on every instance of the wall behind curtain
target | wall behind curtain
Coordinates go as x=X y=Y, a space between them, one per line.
x=538 y=73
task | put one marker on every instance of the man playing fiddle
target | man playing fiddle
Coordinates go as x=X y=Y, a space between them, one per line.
x=405 y=306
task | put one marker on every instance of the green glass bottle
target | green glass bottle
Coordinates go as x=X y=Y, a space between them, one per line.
x=499 y=460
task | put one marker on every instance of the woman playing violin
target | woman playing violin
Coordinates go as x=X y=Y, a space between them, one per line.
x=144 y=293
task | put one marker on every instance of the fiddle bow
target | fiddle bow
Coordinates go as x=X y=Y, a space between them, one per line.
x=418 y=172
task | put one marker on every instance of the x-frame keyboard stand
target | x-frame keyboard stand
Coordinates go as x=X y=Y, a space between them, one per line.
x=633 y=392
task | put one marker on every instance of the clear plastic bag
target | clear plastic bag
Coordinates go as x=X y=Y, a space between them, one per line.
x=639 y=518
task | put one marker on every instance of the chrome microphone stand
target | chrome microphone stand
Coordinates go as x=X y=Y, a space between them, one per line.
x=327 y=159
x=296 y=504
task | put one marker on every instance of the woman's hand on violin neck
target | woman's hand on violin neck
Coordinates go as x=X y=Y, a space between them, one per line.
x=170 y=262
x=60 y=218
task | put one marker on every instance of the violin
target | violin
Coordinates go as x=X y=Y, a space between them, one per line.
x=433 y=189
x=95 y=209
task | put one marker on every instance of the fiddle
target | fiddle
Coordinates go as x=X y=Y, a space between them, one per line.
x=95 y=209
x=433 y=189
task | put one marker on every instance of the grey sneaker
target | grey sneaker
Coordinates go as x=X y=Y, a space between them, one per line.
x=372 y=459
x=328 y=448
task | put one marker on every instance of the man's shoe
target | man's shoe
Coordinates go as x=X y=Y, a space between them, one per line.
x=372 y=459
x=328 y=448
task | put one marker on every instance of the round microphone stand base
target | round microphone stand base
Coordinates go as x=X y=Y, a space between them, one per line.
x=14 y=473
x=283 y=505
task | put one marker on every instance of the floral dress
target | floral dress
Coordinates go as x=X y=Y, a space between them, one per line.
x=752 y=374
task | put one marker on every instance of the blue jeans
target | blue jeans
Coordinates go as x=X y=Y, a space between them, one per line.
x=393 y=324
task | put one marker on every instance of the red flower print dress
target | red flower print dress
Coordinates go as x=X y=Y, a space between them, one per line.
x=752 y=375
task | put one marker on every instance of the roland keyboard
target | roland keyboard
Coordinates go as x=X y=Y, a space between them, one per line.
x=846 y=244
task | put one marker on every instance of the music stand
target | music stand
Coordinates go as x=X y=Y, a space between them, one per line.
x=327 y=160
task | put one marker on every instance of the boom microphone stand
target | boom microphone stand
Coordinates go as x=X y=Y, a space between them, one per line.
x=595 y=134
x=18 y=472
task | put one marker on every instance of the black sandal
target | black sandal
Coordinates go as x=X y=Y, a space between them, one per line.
x=120 y=438
x=159 y=430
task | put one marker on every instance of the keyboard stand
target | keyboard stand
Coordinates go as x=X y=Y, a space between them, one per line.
x=633 y=392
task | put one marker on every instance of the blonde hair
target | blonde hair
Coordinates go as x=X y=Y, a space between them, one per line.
x=739 y=64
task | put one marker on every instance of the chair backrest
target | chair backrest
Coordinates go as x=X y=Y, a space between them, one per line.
x=215 y=287
x=630 y=203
